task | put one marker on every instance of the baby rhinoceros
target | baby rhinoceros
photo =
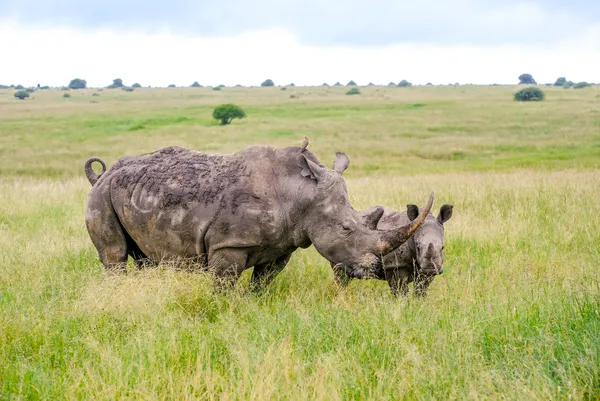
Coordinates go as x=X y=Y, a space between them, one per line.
x=418 y=260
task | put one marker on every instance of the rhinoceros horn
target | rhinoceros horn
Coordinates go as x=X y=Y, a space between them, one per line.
x=392 y=239
x=429 y=253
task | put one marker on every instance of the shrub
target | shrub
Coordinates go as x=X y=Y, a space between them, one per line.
x=337 y=84
x=351 y=83
x=44 y=87
x=581 y=85
x=283 y=88
x=268 y=82
x=216 y=88
x=95 y=94
x=22 y=95
x=404 y=83
x=127 y=89
x=221 y=86
x=292 y=84
x=171 y=86
x=526 y=79
x=560 y=81
x=136 y=85
x=30 y=90
x=325 y=84
x=227 y=112
x=428 y=84
x=4 y=86
x=195 y=85
x=353 y=91
x=66 y=95
x=19 y=87
x=391 y=84
x=238 y=86
x=294 y=96
x=529 y=95
x=370 y=84
x=568 y=84
x=77 y=84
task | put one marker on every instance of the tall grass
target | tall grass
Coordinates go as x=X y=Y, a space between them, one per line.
x=516 y=314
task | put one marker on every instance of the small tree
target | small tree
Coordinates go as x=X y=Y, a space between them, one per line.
x=353 y=91
x=292 y=84
x=526 y=79
x=77 y=84
x=391 y=84
x=268 y=82
x=216 y=88
x=351 y=83
x=171 y=86
x=195 y=85
x=581 y=85
x=117 y=83
x=19 y=87
x=21 y=95
x=325 y=84
x=227 y=112
x=568 y=84
x=136 y=85
x=30 y=90
x=529 y=95
x=370 y=84
x=404 y=83
x=66 y=95
x=337 y=84
x=560 y=81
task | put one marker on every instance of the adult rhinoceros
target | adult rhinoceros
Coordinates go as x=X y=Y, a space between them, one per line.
x=231 y=212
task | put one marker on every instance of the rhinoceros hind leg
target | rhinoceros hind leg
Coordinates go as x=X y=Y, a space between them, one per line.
x=265 y=273
x=106 y=234
x=139 y=257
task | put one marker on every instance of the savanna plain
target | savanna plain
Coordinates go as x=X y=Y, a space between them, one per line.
x=516 y=314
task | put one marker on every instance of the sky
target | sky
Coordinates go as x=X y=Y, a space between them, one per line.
x=307 y=42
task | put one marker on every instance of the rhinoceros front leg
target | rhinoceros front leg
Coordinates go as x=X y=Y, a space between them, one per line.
x=227 y=265
x=422 y=283
x=265 y=273
x=398 y=281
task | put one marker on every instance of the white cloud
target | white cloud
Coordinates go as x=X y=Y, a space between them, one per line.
x=53 y=56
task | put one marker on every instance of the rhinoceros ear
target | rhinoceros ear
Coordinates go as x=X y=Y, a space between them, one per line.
x=445 y=213
x=372 y=216
x=341 y=162
x=412 y=211
x=310 y=168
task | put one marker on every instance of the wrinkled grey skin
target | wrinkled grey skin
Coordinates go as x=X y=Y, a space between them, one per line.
x=231 y=212
x=420 y=259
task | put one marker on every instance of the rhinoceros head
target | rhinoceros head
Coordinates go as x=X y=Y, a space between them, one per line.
x=337 y=230
x=429 y=240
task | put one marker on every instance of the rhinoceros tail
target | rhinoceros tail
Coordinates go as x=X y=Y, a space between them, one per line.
x=89 y=172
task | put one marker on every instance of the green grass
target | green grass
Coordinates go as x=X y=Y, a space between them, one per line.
x=516 y=314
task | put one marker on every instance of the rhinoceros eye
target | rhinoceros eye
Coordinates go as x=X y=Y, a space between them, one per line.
x=346 y=228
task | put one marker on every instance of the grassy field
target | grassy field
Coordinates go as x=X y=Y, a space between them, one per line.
x=516 y=314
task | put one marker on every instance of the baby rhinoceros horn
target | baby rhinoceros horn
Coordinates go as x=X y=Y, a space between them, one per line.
x=429 y=253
